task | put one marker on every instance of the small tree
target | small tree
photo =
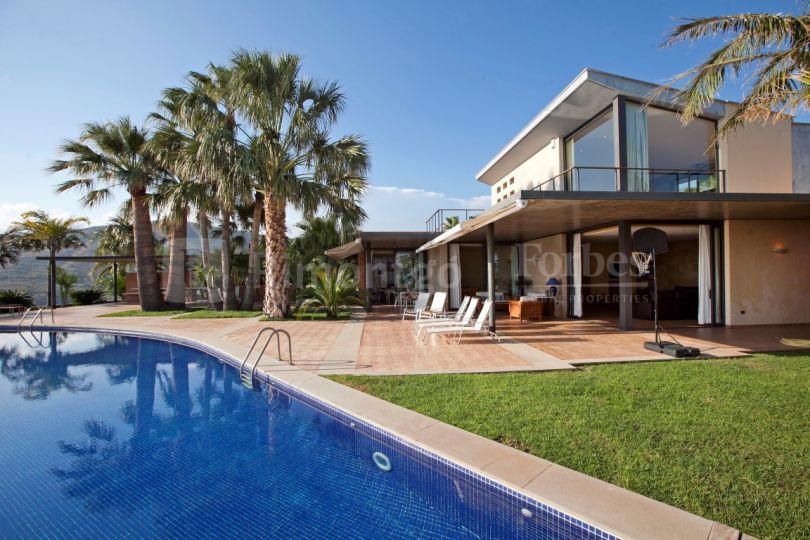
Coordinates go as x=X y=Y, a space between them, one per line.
x=65 y=280
x=37 y=231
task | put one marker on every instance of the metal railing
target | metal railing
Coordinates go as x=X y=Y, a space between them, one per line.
x=25 y=315
x=445 y=218
x=248 y=377
x=637 y=179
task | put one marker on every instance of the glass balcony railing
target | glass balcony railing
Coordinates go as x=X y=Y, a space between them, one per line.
x=447 y=218
x=637 y=179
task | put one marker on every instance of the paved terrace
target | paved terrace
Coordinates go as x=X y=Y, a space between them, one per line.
x=382 y=343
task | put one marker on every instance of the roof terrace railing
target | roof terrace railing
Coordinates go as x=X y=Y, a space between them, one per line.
x=637 y=179
x=445 y=218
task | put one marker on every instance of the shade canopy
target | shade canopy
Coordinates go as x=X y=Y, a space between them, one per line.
x=377 y=240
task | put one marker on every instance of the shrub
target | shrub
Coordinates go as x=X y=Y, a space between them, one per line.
x=85 y=297
x=332 y=291
x=16 y=296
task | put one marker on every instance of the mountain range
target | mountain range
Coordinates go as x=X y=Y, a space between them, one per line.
x=32 y=274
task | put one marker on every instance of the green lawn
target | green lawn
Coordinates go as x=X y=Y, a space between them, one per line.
x=139 y=313
x=725 y=439
x=211 y=314
x=310 y=316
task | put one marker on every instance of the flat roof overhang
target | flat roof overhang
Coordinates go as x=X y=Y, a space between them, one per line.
x=538 y=214
x=405 y=240
x=591 y=92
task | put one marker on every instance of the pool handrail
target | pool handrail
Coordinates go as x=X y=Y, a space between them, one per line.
x=37 y=314
x=247 y=377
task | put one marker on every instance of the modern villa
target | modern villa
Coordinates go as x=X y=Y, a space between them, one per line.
x=597 y=164
x=606 y=213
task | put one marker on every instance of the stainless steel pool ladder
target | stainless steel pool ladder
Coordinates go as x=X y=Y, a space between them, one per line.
x=247 y=377
x=27 y=311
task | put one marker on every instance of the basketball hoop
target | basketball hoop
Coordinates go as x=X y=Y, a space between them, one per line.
x=642 y=261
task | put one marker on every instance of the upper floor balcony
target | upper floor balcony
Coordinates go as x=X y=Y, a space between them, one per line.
x=588 y=178
x=447 y=218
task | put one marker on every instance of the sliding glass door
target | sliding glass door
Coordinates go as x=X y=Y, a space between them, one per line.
x=590 y=156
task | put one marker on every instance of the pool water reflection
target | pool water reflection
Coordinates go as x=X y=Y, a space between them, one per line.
x=110 y=436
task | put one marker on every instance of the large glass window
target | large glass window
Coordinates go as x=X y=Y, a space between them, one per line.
x=592 y=146
x=406 y=270
x=507 y=269
x=687 y=151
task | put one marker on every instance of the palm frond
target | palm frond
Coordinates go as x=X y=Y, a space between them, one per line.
x=770 y=52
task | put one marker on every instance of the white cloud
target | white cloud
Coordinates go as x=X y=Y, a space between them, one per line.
x=392 y=208
x=11 y=212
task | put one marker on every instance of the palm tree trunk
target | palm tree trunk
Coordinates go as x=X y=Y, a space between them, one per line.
x=148 y=284
x=182 y=395
x=145 y=377
x=228 y=286
x=275 y=292
x=253 y=253
x=205 y=248
x=176 y=284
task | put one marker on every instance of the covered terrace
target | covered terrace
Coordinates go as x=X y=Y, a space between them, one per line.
x=538 y=214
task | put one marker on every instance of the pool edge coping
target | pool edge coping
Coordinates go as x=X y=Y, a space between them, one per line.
x=641 y=513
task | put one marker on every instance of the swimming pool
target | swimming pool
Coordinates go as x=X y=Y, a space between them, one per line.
x=105 y=435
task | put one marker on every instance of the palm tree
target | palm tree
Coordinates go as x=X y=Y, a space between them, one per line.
x=252 y=281
x=450 y=222
x=172 y=200
x=111 y=155
x=318 y=234
x=117 y=237
x=773 y=49
x=9 y=250
x=332 y=290
x=180 y=127
x=211 y=151
x=293 y=159
x=37 y=231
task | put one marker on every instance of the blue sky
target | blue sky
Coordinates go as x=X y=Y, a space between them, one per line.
x=435 y=88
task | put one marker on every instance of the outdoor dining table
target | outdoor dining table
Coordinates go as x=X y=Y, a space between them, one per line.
x=404 y=298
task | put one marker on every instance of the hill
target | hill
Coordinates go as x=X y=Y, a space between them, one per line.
x=32 y=274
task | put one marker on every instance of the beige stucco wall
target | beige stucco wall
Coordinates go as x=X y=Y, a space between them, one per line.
x=763 y=287
x=758 y=158
x=532 y=172
x=544 y=258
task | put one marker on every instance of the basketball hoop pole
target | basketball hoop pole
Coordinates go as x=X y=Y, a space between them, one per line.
x=655 y=298
x=652 y=241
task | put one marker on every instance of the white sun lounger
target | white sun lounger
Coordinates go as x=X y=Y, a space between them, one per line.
x=436 y=307
x=418 y=306
x=463 y=316
x=478 y=327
